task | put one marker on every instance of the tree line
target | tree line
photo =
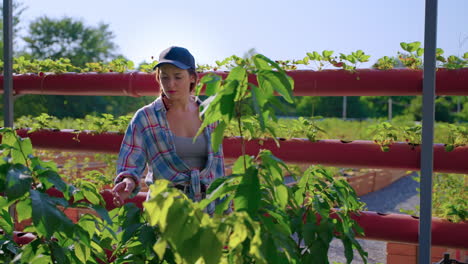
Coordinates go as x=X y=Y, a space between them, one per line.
x=67 y=37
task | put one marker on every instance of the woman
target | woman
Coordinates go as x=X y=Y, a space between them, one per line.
x=160 y=135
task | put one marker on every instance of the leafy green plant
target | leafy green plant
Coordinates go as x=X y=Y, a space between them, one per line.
x=303 y=126
x=385 y=63
x=351 y=61
x=413 y=134
x=384 y=135
x=449 y=198
x=412 y=59
x=454 y=62
x=24 y=180
x=457 y=136
x=257 y=183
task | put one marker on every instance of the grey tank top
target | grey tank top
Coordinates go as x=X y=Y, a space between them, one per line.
x=193 y=154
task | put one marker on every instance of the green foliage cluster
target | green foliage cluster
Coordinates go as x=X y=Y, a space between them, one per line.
x=23 y=65
x=314 y=128
x=24 y=180
x=410 y=58
x=104 y=123
x=260 y=230
x=449 y=198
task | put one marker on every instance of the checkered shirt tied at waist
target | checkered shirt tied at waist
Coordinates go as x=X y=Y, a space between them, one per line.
x=149 y=141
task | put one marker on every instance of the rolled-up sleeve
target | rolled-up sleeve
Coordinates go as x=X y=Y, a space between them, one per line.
x=132 y=159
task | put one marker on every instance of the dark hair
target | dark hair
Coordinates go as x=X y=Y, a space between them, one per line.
x=191 y=71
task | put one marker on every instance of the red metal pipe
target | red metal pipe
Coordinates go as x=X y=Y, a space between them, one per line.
x=405 y=229
x=93 y=84
x=386 y=227
x=357 y=154
x=363 y=82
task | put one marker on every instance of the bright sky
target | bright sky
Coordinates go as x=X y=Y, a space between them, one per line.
x=213 y=30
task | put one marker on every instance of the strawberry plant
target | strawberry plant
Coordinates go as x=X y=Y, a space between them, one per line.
x=457 y=136
x=413 y=135
x=385 y=63
x=412 y=59
x=449 y=198
x=384 y=135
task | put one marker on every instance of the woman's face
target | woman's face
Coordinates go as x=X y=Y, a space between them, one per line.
x=175 y=82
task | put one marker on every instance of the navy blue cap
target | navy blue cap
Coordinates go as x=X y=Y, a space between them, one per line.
x=177 y=56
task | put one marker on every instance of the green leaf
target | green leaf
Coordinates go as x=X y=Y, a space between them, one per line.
x=237 y=74
x=160 y=247
x=52 y=179
x=90 y=192
x=211 y=246
x=238 y=167
x=258 y=101
x=219 y=188
x=218 y=135
x=226 y=101
x=31 y=251
x=47 y=217
x=404 y=46
x=327 y=53
x=3 y=172
x=18 y=181
x=261 y=63
x=211 y=112
x=280 y=82
x=246 y=197
x=413 y=46
x=23 y=149
x=4 y=204
x=419 y=52
x=82 y=252
x=24 y=209
x=348 y=250
x=103 y=213
x=212 y=82
x=6 y=223
x=59 y=253
x=37 y=164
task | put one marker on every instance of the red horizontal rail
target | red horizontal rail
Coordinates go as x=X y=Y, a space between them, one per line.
x=357 y=154
x=386 y=227
x=405 y=229
x=364 y=82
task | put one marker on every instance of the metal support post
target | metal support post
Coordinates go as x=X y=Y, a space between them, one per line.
x=427 y=146
x=8 y=63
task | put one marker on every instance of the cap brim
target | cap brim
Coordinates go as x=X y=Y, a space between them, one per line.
x=175 y=63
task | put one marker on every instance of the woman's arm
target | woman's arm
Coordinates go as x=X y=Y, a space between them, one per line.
x=131 y=163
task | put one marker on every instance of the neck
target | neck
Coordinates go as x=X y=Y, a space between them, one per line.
x=182 y=104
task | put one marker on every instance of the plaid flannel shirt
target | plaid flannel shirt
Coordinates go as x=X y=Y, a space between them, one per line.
x=149 y=141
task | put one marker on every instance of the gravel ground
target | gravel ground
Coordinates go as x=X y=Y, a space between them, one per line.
x=401 y=194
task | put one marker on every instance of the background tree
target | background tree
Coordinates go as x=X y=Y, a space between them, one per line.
x=70 y=38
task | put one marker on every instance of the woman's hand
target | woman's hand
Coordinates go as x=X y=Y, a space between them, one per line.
x=123 y=190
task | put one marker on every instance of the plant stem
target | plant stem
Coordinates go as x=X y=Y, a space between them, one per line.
x=242 y=142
